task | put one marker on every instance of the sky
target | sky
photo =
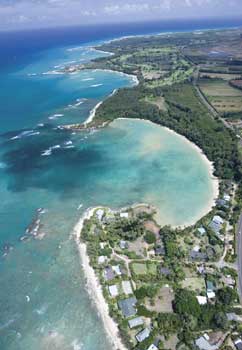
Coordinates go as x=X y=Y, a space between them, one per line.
x=20 y=14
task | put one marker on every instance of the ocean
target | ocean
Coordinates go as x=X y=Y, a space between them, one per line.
x=51 y=176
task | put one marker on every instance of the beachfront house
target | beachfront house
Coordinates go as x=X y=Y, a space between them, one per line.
x=144 y=334
x=113 y=291
x=108 y=273
x=216 y=224
x=124 y=215
x=135 y=322
x=128 y=306
x=127 y=288
x=201 y=230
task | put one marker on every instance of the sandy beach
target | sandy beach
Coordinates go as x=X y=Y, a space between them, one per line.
x=94 y=288
x=210 y=166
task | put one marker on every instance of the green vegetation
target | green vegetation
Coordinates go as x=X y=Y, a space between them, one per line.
x=188 y=287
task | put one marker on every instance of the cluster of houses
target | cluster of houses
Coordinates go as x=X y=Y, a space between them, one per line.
x=127 y=306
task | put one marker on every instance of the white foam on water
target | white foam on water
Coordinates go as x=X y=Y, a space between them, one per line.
x=26 y=133
x=96 y=85
x=56 y=116
x=87 y=79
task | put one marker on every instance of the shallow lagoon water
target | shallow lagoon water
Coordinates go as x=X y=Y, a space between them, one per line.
x=44 y=304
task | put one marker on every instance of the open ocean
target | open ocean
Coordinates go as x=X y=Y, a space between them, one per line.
x=43 y=300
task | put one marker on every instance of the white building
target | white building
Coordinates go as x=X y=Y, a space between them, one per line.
x=113 y=290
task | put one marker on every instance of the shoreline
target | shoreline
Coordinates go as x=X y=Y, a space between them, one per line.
x=92 y=113
x=210 y=167
x=95 y=289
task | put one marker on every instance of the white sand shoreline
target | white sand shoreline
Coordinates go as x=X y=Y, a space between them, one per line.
x=94 y=110
x=94 y=288
x=209 y=164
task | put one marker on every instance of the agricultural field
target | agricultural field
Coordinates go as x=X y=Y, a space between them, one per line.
x=223 y=97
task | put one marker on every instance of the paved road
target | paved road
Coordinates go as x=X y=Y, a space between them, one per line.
x=239 y=254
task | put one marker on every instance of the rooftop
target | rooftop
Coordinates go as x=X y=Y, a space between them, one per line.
x=127 y=306
x=135 y=322
x=145 y=333
x=127 y=288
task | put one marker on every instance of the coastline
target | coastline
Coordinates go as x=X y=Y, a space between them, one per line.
x=94 y=287
x=210 y=167
x=92 y=114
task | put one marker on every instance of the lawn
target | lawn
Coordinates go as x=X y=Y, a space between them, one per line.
x=140 y=268
x=144 y=268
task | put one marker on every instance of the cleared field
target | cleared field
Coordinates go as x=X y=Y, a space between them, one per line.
x=221 y=95
x=223 y=76
x=227 y=104
x=218 y=88
x=194 y=283
x=159 y=102
x=163 y=301
x=144 y=268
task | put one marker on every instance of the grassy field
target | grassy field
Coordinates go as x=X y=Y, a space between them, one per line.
x=144 y=268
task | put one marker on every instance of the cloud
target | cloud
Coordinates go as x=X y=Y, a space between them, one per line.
x=16 y=14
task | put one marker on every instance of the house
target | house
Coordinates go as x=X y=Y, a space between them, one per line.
x=216 y=224
x=152 y=347
x=159 y=250
x=231 y=316
x=210 y=290
x=123 y=244
x=205 y=343
x=201 y=230
x=201 y=300
x=201 y=269
x=127 y=288
x=198 y=255
x=238 y=344
x=124 y=215
x=117 y=270
x=164 y=271
x=102 y=259
x=222 y=203
x=128 y=306
x=135 y=322
x=99 y=214
x=229 y=281
x=108 y=273
x=102 y=245
x=113 y=291
x=226 y=197
x=144 y=334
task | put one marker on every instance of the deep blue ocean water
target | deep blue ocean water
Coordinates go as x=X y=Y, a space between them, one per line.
x=43 y=300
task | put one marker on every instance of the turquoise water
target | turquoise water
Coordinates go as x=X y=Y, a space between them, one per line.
x=44 y=303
